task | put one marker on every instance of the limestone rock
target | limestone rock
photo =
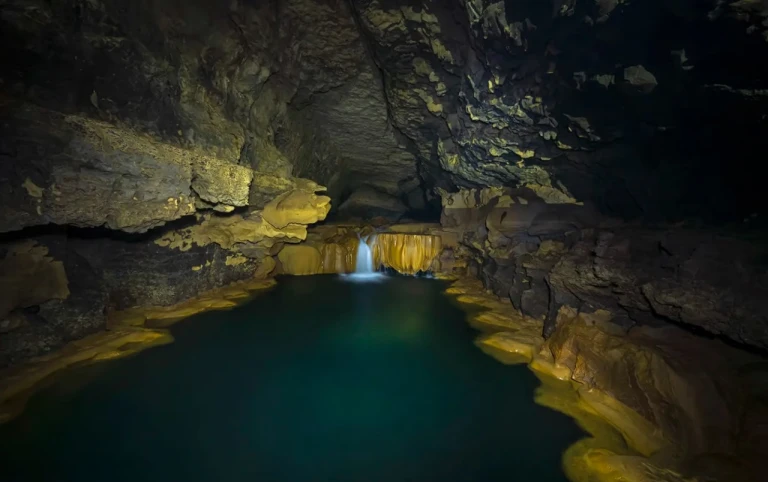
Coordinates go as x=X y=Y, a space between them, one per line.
x=79 y=171
x=693 y=279
x=407 y=249
x=686 y=388
x=218 y=182
x=405 y=253
x=356 y=118
x=28 y=277
x=543 y=256
x=300 y=260
x=266 y=187
x=339 y=257
x=369 y=203
x=300 y=207
x=229 y=231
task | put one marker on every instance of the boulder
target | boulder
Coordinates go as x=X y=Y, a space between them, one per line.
x=367 y=203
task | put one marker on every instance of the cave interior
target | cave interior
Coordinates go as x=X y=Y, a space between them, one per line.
x=588 y=168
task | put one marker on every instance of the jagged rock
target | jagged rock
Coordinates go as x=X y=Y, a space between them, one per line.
x=79 y=171
x=543 y=256
x=704 y=282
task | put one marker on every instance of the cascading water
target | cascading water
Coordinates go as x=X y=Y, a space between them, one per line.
x=364 y=267
x=412 y=254
x=364 y=258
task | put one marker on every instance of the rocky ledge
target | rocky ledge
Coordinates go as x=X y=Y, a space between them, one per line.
x=658 y=330
x=661 y=404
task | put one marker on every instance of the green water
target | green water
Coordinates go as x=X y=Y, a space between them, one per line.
x=321 y=379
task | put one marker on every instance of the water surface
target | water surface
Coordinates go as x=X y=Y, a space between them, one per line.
x=320 y=379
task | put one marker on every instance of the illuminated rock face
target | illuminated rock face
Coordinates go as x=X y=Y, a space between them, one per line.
x=653 y=395
x=339 y=257
x=300 y=260
x=405 y=253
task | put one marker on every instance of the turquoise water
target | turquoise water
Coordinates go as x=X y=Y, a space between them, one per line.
x=320 y=379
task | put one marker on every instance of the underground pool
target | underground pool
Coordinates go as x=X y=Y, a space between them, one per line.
x=323 y=378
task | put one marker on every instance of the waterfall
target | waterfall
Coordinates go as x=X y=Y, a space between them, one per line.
x=364 y=258
x=364 y=266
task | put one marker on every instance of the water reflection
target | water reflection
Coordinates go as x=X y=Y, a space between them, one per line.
x=317 y=380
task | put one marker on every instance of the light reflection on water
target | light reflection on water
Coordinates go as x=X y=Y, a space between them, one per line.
x=319 y=379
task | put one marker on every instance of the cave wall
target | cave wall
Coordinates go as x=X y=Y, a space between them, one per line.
x=650 y=110
x=543 y=257
x=154 y=150
x=189 y=142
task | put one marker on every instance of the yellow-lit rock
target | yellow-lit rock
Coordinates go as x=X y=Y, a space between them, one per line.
x=17 y=384
x=654 y=400
x=285 y=218
x=339 y=257
x=218 y=299
x=226 y=231
x=300 y=260
x=662 y=388
x=412 y=248
x=406 y=253
x=296 y=207
x=521 y=348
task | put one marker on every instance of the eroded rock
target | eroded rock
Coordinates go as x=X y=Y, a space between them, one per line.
x=79 y=171
x=29 y=277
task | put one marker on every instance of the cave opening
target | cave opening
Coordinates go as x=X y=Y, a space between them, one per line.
x=584 y=172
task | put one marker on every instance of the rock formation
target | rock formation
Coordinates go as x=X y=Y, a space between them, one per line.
x=543 y=256
x=333 y=250
x=591 y=162
x=601 y=303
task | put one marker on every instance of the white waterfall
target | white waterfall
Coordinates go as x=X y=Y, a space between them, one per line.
x=364 y=263
x=364 y=269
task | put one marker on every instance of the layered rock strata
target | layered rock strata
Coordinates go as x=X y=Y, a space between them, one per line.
x=606 y=306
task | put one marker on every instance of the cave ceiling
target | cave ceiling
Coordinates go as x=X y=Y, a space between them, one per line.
x=645 y=109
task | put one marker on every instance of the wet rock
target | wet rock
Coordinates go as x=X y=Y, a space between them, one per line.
x=652 y=371
x=405 y=253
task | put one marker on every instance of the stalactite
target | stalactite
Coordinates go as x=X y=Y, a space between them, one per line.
x=406 y=253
